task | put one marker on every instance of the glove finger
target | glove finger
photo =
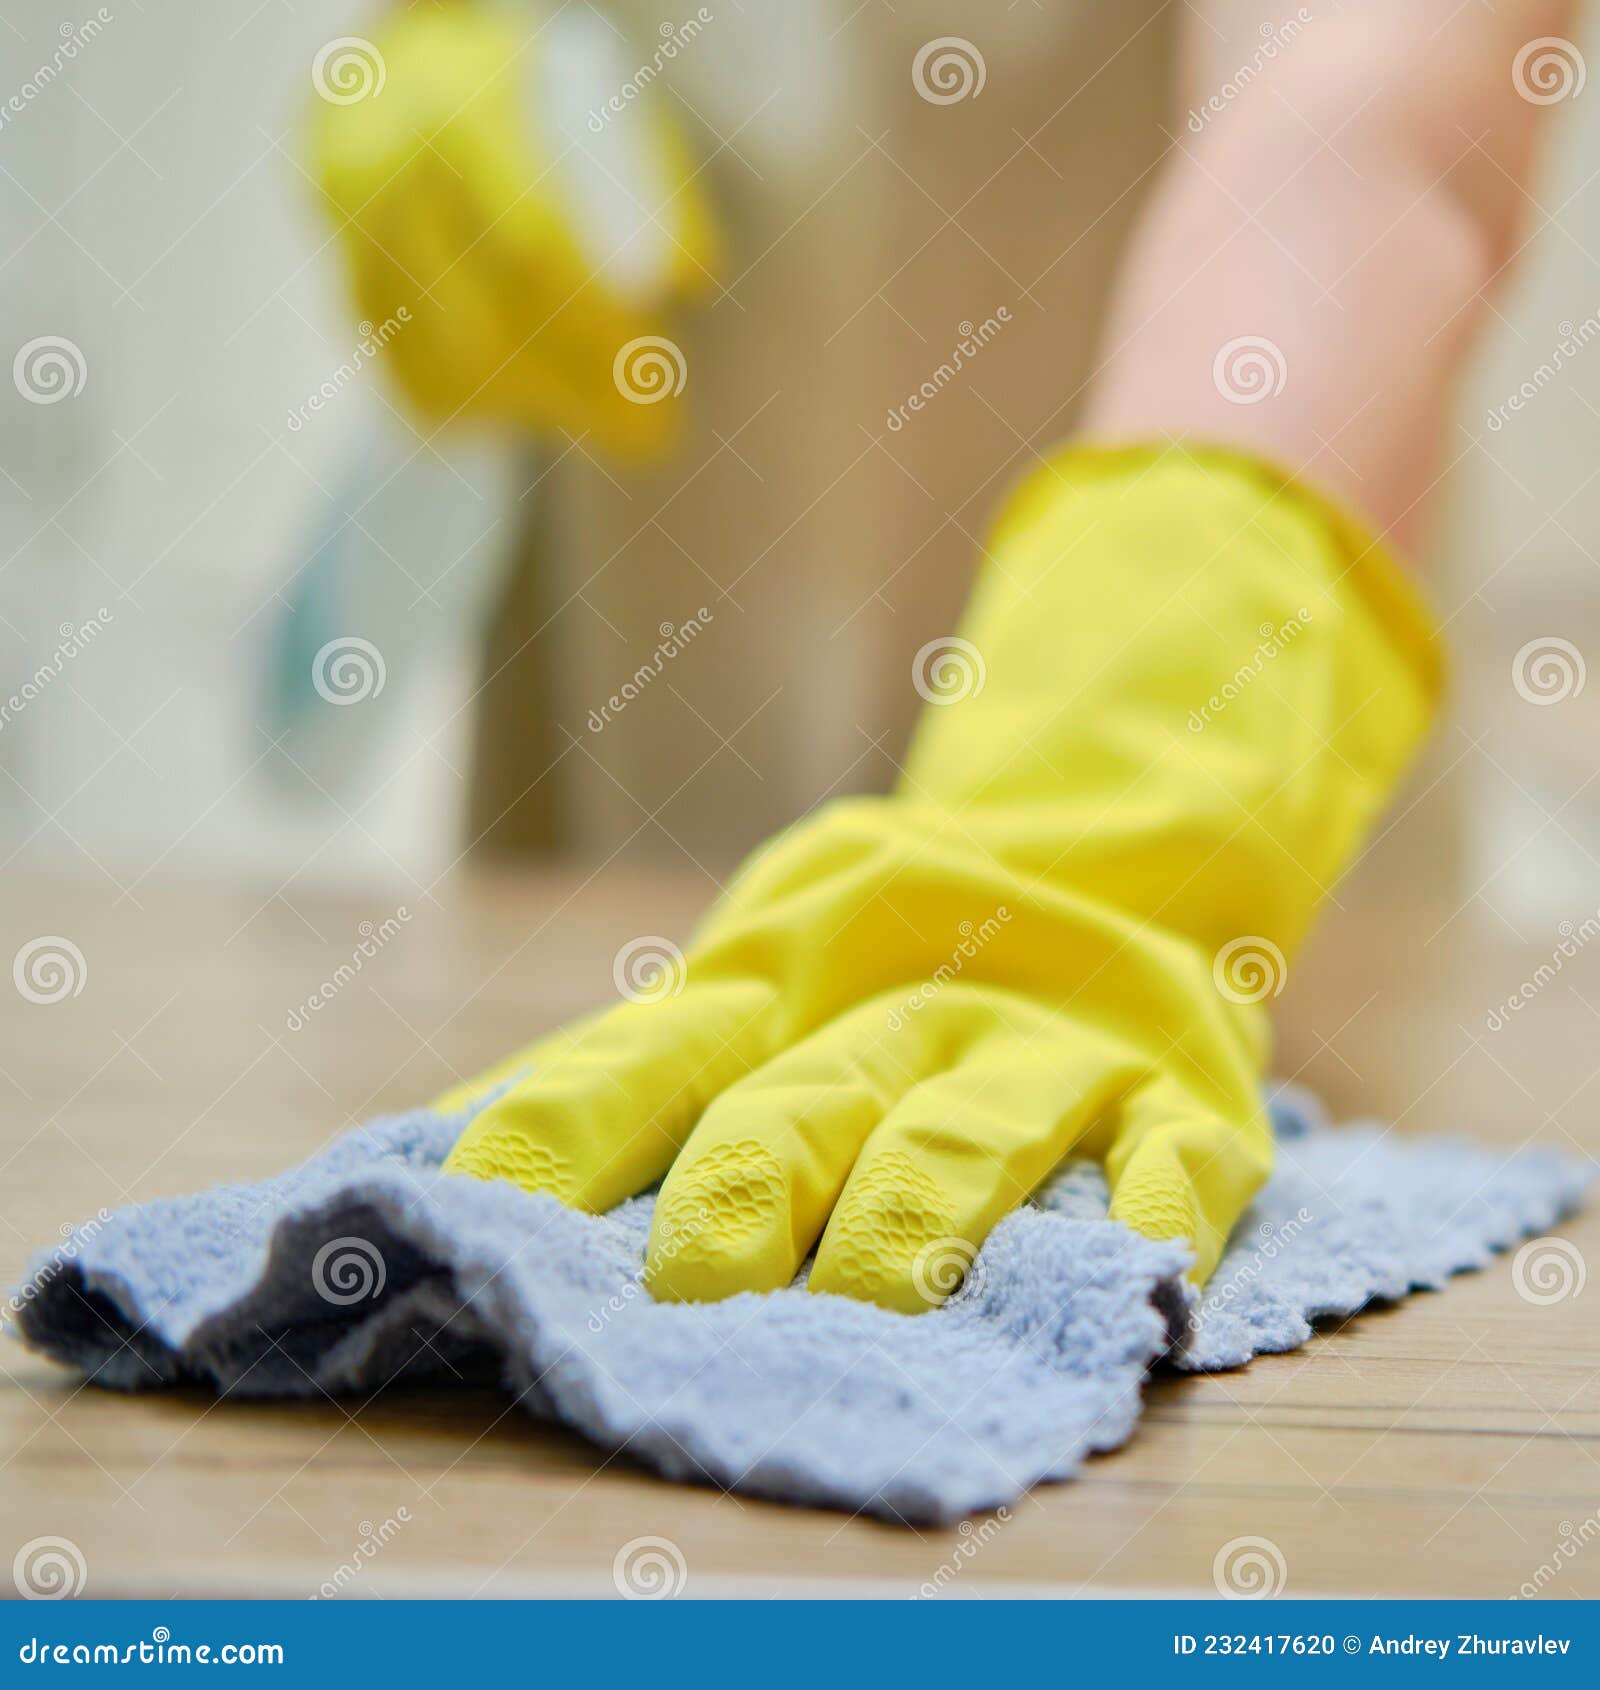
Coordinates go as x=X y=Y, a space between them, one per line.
x=382 y=201
x=1178 y=1169
x=525 y=332
x=455 y=341
x=956 y=1155
x=611 y=1100
x=387 y=230
x=562 y=323
x=749 y=1195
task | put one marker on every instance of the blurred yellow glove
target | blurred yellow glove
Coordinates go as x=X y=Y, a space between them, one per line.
x=1187 y=688
x=514 y=219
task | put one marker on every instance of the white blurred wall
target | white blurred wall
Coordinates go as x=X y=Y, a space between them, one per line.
x=153 y=216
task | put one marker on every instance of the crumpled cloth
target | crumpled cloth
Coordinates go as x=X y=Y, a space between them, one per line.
x=365 y=1266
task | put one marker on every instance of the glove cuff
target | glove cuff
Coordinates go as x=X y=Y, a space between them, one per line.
x=1197 y=684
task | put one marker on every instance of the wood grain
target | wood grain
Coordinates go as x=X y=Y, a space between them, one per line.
x=1447 y=1446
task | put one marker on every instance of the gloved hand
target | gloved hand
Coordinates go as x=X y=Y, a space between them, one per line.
x=531 y=221
x=1186 y=690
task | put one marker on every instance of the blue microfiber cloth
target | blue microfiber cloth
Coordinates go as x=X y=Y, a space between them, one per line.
x=366 y=1266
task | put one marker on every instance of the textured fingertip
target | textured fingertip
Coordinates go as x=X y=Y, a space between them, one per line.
x=1156 y=1203
x=1189 y=1178
x=892 y=1240
x=721 y=1226
x=491 y=1149
x=1162 y=1206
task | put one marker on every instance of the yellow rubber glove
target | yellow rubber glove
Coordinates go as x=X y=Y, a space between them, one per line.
x=1186 y=689
x=513 y=225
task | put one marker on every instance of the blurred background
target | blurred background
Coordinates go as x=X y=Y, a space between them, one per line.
x=263 y=620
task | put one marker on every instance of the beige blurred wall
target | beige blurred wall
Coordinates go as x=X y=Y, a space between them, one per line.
x=830 y=548
x=827 y=545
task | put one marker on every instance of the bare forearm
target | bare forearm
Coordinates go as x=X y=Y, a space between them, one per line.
x=1337 y=216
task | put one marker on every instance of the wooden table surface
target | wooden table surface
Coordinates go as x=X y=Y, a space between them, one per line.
x=1448 y=1446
